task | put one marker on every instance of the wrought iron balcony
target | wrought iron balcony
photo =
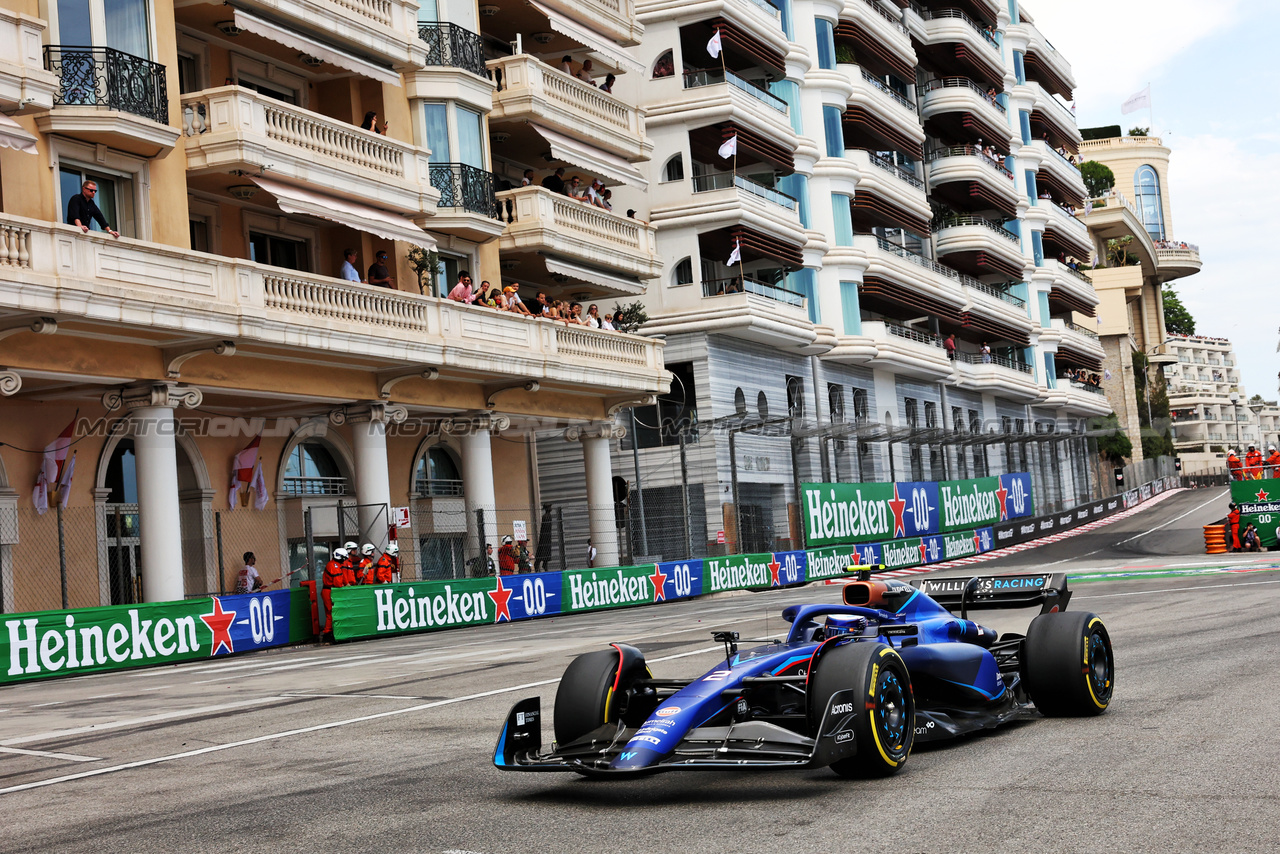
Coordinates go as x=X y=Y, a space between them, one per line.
x=108 y=78
x=452 y=46
x=465 y=187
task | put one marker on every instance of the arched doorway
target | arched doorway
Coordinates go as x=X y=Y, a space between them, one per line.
x=439 y=515
x=316 y=476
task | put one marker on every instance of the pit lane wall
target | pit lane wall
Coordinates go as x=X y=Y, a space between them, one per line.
x=51 y=644
x=1259 y=503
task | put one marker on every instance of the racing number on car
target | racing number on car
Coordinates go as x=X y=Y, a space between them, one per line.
x=535 y=596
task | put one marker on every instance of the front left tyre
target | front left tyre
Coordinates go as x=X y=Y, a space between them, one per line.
x=600 y=688
x=883 y=712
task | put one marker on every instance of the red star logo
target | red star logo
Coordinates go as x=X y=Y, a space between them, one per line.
x=923 y=552
x=855 y=559
x=1262 y=494
x=1002 y=495
x=500 y=595
x=659 y=582
x=897 y=505
x=977 y=542
x=774 y=567
x=219 y=622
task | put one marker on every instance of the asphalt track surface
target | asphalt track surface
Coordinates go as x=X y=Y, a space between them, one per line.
x=386 y=745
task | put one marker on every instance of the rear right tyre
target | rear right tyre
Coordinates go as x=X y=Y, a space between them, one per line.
x=1068 y=665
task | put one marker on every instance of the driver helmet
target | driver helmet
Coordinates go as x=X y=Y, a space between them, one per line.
x=366 y=549
x=843 y=624
x=339 y=554
x=393 y=548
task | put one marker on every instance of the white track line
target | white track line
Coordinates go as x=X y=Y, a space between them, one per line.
x=163 y=716
x=69 y=757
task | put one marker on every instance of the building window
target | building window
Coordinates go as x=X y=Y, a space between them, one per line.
x=784 y=10
x=1019 y=68
x=665 y=66
x=1037 y=247
x=860 y=408
x=911 y=412
x=683 y=274
x=114 y=198
x=437 y=124
x=850 y=308
x=121 y=24
x=276 y=250
x=762 y=406
x=1024 y=123
x=842 y=216
x=1032 y=192
x=795 y=397
x=826 y=43
x=835 y=401
x=788 y=91
x=1146 y=185
x=802 y=282
x=834 y=132
x=312 y=470
x=739 y=403
x=796 y=186
x=437 y=474
x=676 y=412
x=674 y=170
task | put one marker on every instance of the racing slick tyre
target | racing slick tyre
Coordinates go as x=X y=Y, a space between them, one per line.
x=883 y=724
x=600 y=688
x=1068 y=666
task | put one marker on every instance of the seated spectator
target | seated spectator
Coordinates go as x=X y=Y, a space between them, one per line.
x=616 y=320
x=606 y=322
x=606 y=199
x=555 y=181
x=584 y=73
x=609 y=80
x=566 y=64
x=1250 y=539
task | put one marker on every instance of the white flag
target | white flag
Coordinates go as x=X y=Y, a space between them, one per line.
x=258 y=486
x=735 y=257
x=1140 y=101
x=713 y=46
x=729 y=148
x=64 y=484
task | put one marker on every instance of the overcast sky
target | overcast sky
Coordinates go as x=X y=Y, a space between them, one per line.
x=1213 y=92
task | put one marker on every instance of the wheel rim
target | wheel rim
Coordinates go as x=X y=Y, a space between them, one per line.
x=891 y=711
x=1099 y=673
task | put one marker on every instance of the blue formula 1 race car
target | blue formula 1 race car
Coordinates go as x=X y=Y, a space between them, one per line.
x=852 y=687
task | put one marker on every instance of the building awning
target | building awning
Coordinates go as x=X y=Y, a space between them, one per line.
x=333 y=56
x=583 y=273
x=604 y=46
x=345 y=212
x=13 y=135
x=607 y=166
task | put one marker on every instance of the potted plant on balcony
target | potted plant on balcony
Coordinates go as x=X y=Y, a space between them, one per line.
x=633 y=316
x=427 y=266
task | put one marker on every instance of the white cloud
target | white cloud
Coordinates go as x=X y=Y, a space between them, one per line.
x=1116 y=47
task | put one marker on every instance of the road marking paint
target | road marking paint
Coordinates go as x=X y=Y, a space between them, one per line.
x=1171 y=521
x=1177 y=589
x=163 y=716
x=70 y=757
x=54 y=703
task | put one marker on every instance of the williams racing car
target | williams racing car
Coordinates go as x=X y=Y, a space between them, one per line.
x=852 y=687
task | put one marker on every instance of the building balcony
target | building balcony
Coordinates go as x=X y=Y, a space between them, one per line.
x=1084 y=399
x=578 y=240
x=110 y=97
x=370 y=36
x=876 y=34
x=1005 y=377
x=468 y=206
x=894 y=347
x=616 y=19
x=24 y=80
x=1176 y=260
x=739 y=307
x=715 y=96
x=533 y=92
x=959 y=108
x=1043 y=63
x=723 y=199
x=1049 y=111
x=1113 y=217
x=993 y=313
x=887 y=194
x=1066 y=231
x=967 y=179
x=878 y=111
x=231 y=128
x=103 y=288
x=1079 y=344
x=951 y=40
x=979 y=247
x=1069 y=288
x=901 y=284
x=1059 y=174
x=455 y=68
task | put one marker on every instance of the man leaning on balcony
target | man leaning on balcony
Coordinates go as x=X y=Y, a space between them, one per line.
x=82 y=210
x=462 y=291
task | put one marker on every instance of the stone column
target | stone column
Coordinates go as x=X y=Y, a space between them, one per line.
x=473 y=433
x=151 y=408
x=373 y=483
x=598 y=466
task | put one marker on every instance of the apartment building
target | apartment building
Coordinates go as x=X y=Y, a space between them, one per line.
x=1210 y=410
x=239 y=150
x=1136 y=253
x=838 y=189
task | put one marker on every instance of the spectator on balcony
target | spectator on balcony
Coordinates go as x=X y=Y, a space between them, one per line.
x=566 y=64
x=950 y=346
x=606 y=199
x=986 y=353
x=555 y=181
x=527 y=179
x=595 y=193
x=991 y=95
x=592 y=318
x=664 y=67
x=575 y=314
x=606 y=323
x=616 y=321
x=609 y=80
x=584 y=73
x=379 y=275
x=349 y=271
x=575 y=190
x=82 y=210
x=540 y=307
x=514 y=303
x=462 y=291
x=370 y=123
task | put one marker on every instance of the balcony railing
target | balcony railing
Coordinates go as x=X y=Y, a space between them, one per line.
x=465 y=187
x=963 y=83
x=525 y=79
x=930 y=15
x=962 y=220
x=1079 y=274
x=929 y=264
x=714 y=76
x=746 y=284
x=999 y=293
x=927 y=338
x=884 y=87
x=1088 y=333
x=767 y=7
x=438 y=488
x=452 y=46
x=896 y=170
x=969 y=151
x=1058 y=154
x=1092 y=389
x=108 y=78
x=315 y=485
x=884 y=13
x=725 y=180
x=979 y=359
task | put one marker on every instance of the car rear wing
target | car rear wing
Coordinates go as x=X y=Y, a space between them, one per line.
x=987 y=592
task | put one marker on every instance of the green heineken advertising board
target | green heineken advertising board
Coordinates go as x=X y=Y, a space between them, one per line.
x=1259 y=503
